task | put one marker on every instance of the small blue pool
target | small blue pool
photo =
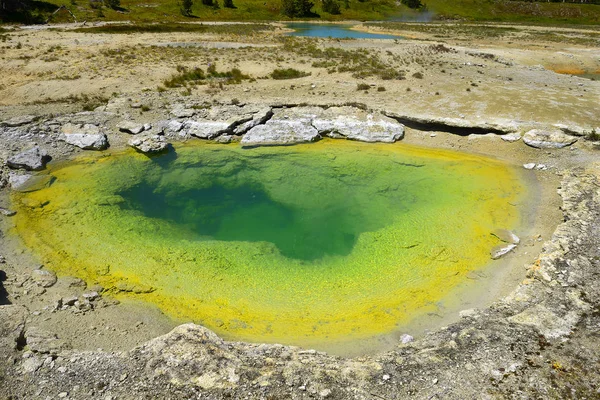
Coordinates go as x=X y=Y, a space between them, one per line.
x=332 y=31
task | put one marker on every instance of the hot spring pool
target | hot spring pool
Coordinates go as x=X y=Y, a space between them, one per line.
x=301 y=245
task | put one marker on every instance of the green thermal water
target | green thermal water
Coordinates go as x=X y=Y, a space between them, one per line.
x=303 y=244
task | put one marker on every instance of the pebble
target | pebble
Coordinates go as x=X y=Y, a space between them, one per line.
x=386 y=377
x=406 y=338
x=62 y=395
x=90 y=295
x=529 y=166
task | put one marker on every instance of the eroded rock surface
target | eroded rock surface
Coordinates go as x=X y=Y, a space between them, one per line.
x=130 y=127
x=150 y=144
x=34 y=159
x=85 y=136
x=548 y=138
x=281 y=132
x=355 y=124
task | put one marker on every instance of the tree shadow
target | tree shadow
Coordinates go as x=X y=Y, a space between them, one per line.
x=3 y=292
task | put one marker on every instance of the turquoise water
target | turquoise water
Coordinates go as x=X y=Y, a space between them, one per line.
x=333 y=31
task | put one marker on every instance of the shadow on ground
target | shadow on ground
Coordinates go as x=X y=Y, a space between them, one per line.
x=3 y=292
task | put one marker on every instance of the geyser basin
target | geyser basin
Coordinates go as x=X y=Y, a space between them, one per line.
x=302 y=245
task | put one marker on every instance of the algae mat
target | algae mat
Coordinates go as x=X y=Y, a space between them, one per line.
x=301 y=245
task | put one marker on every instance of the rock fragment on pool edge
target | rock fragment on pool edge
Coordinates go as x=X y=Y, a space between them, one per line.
x=130 y=127
x=44 y=278
x=502 y=250
x=548 y=138
x=207 y=129
x=34 y=159
x=511 y=137
x=281 y=132
x=506 y=236
x=356 y=124
x=84 y=136
x=150 y=144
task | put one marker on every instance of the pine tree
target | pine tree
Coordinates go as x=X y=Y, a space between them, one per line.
x=186 y=7
x=331 y=7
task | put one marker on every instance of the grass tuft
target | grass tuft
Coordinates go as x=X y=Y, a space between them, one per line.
x=288 y=73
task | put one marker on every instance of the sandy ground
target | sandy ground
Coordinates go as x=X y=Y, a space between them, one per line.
x=45 y=71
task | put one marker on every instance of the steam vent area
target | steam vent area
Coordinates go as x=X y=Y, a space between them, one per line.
x=299 y=210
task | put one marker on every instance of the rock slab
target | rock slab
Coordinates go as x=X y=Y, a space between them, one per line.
x=87 y=142
x=150 y=144
x=281 y=132
x=130 y=127
x=34 y=159
x=354 y=124
x=548 y=139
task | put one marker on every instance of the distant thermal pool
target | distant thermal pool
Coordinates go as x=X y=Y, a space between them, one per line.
x=302 y=245
x=335 y=31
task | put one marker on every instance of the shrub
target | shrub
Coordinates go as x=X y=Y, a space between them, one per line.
x=114 y=4
x=185 y=76
x=381 y=89
x=228 y=4
x=593 y=136
x=414 y=4
x=331 y=7
x=296 y=8
x=186 y=7
x=418 y=75
x=288 y=73
x=363 y=86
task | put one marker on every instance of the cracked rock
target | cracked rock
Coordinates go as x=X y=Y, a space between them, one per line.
x=149 y=144
x=355 y=124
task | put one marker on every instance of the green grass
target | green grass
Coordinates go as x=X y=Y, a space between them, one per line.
x=516 y=11
x=289 y=73
x=246 y=10
x=470 y=31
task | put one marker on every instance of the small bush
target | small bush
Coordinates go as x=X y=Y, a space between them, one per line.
x=288 y=73
x=381 y=89
x=184 y=77
x=198 y=76
x=331 y=7
x=114 y=4
x=228 y=4
x=417 y=75
x=593 y=136
x=363 y=86
x=186 y=7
